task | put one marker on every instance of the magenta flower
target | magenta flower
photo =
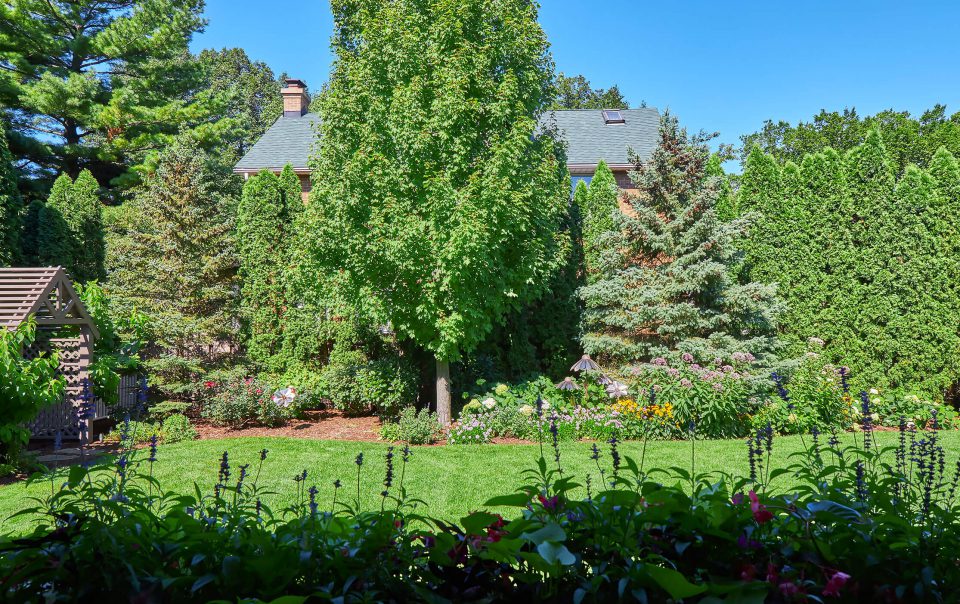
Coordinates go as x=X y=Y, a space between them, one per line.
x=660 y=362
x=687 y=357
x=836 y=582
x=686 y=383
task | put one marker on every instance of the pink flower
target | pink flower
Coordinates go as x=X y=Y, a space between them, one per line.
x=687 y=357
x=789 y=589
x=660 y=361
x=737 y=499
x=838 y=580
x=686 y=383
x=760 y=513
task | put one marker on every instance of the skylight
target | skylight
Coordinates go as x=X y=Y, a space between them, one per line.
x=612 y=116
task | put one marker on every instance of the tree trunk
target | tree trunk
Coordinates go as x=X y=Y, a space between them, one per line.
x=443 y=392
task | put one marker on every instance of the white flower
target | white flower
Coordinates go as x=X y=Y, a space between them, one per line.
x=792 y=417
x=875 y=417
x=874 y=391
x=545 y=405
x=489 y=403
x=526 y=409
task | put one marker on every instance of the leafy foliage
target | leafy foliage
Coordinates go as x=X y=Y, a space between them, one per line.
x=575 y=92
x=240 y=401
x=264 y=230
x=598 y=210
x=253 y=100
x=101 y=85
x=909 y=140
x=863 y=522
x=412 y=426
x=26 y=386
x=863 y=260
x=69 y=231
x=432 y=192
x=664 y=285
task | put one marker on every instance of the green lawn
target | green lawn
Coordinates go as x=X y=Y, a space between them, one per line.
x=452 y=480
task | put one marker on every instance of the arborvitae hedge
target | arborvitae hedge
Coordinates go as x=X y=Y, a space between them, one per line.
x=260 y=243
x=598 y=208
x=68 y=230
x=864 y=261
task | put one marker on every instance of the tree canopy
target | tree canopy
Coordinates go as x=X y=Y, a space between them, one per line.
x=100 y=84
x=434 y=190
x=575 y=92
x=907 y=139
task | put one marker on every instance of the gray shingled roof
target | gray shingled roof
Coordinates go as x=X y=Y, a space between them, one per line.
x=589 y=139
x=288 y=141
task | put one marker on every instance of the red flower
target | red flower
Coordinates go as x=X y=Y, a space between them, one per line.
x=838 y=580
x=789 y=589
x=748 y=572
x=760 y=513
x=209 y=385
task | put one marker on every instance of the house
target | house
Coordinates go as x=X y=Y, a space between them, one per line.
x=591 y=135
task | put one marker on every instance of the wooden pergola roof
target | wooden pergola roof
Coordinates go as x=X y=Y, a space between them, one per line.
x=45 y=292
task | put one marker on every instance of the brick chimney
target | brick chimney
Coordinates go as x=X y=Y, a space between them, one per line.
x=294 y=98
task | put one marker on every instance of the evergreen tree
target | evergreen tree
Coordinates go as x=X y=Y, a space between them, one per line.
x=260 y=246
x=86 y=225
x=69 y=228
x=175 y=262
x=434 y=192
x=909 y=139
x=55 y=244
x=291 y=193
x=101 y=85
x=598 y=209
x=11 y=206
x=666 y=287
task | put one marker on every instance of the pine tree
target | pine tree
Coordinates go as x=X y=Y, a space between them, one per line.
x=176 y=263
x=666 y=286
x=100 y=85
x=260 y=245
x=11 y=205
x=597 y=211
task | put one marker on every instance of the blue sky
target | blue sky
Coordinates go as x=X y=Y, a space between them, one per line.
x=720 y=66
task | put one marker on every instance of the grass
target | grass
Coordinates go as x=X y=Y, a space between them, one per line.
x=452 y=480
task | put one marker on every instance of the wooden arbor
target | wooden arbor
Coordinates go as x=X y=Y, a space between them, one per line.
x=48 y=295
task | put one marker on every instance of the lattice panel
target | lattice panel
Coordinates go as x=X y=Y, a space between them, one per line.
x=63 y=416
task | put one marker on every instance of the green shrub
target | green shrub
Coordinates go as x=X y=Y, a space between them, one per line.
x=165 y=409
x=133 y=433
x=177 y=427
x=414 y=427
x=25 y=387
x=357 y=385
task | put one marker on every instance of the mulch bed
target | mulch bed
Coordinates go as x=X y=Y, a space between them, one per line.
x=319 y=424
